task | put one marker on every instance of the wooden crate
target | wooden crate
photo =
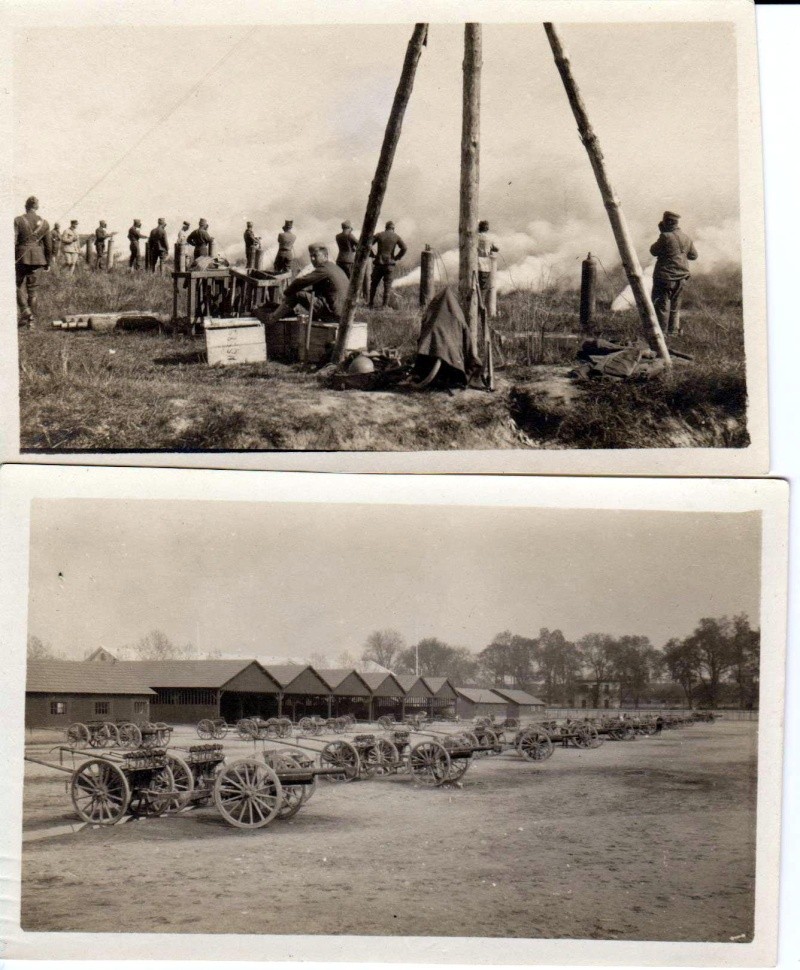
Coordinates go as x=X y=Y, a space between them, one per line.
x=286 y=339
x=236 y=341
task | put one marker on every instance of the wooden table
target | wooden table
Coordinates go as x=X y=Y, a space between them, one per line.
x=204 y=288
x=249 y=292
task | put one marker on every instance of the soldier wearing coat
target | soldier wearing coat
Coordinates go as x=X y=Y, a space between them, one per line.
x=135 y=234
x=348 y=244
x=673 y=249
x=158 y=246
x=389 y=250
x=251 y=242
x=286 y=241
x=201 y=239
x=101 y=240
x=70 y=245
x=33 y=251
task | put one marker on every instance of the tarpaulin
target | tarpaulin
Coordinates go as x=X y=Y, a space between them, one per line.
x=445 y=334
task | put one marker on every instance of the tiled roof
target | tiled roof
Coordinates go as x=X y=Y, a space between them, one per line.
x=518 y=696
x=83 y=677
x=183 y=673
x=479 y=695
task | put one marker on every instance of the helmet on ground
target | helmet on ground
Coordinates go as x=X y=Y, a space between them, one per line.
x=361 y=365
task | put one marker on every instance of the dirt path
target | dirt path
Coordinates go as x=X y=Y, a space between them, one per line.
x=648 y=840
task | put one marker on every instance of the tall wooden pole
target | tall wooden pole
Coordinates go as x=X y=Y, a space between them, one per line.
x=470 y=177
x=619 y=226
x=378 y=189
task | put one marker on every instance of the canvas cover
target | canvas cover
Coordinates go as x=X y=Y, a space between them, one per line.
x=445 y=335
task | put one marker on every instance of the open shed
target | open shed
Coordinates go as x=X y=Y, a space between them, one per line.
x=478 y=701
x=443 y=699
x=189 y=690
x=60 y=692
x=303 y=692
x=387 y=695
x=519 y=703
x=349 y=692
x=418 y=694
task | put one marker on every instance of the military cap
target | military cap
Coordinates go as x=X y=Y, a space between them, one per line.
x=347 y=224
x=390 y=225
x=483 y=226
x=186 y=223
x=288 y=223
x=315 y=247
x=137 y=222
x=204 y=223
x=102 y=222
x=249 y=225
x=162 y=222
x=56 y=225
x=31 y=202
x=673 y=216
x=73 y=222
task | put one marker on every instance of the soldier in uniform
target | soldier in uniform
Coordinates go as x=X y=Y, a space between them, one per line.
x=158 y=246
x=134 y=235
x=390 y=248
x=101 y=238
x=486 y=248
x=251 y=242
x=183 y=233
x=673 y=249
x=285 y=254
x=70 y=245
x=32 y=251
x=324 y=289
x=55 y=245
x=201 y=239
x=348 y=244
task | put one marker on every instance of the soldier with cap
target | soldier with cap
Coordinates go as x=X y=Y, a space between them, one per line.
x=390 y=248
x=201 y=239
x=158 y=246
x=55 y=244
x=101 y=241
x=183 y=233
x=134 y=235
x=251 y=241
x=285 y=254
x=348 y=244
x=673 y=249
x=70 y=245
x=324 y=289
x=486 y=249
x=32 y=251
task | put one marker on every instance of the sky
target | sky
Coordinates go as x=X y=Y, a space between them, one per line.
x=296 y=580
x=289 y=125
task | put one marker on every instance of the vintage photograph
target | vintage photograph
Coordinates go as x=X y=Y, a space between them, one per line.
x=523 y=238
x=533 y=719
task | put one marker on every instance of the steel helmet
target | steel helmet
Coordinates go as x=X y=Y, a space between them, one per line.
x=361 y=365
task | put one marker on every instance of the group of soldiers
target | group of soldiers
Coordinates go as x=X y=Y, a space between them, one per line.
x=323 y=290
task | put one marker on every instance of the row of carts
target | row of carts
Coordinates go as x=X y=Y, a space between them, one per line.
x=144 y=776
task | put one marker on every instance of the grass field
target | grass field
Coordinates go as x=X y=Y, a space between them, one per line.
x=89 y=391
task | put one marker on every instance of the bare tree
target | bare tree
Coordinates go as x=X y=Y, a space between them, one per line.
x=39 y=650
x=156 y=645
x=596 y=652
x=383 y=647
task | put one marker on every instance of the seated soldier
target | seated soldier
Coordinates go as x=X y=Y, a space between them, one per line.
x=323 y=289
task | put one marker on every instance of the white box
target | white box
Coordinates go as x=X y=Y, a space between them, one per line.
x=235 y=341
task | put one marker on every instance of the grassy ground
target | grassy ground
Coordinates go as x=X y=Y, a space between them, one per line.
x=85 y=391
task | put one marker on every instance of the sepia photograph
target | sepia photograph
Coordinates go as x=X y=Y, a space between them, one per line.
x=501 y=711
x=534 y=243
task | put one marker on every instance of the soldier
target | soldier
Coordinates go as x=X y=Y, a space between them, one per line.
x=673 y=249
x=251 y=242
x=32 y=251
x=201 y=239
x=390 y=249
x=101 y=239
x=285 y=254
x=486 y=248
x=348 y=244
x=158 y=246
x=55 y=244
x=327 y=286
x=183 y=233
x=70 y=245
x=134 y=235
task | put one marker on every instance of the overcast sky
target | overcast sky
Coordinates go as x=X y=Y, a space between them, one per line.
x=290 y=125
x=295 y=580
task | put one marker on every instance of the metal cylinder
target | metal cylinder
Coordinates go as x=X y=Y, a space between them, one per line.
x=211 y=247
x=180 y=257
x=258 y=254
x=89 y=251
x=110 y=254
x=491 y=296
x=426 y=268
x=588 y=291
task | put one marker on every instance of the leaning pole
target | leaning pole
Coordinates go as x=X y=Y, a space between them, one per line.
x=470 y=177
x=378 y=190
x=619 y=226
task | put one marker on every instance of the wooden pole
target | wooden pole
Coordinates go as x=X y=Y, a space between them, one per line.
x=588 y=291
x=619 y=226
x=425 y=276
x=378 y=189
x=470 y=177
x=491 y=298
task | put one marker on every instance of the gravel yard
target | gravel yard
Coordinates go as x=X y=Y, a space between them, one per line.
x=652 y=839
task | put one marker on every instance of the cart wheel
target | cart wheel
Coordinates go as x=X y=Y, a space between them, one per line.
x=583 y=737
x=206 y=729
x=370 y=761
x=129 y=735
x=472 y=739
x=597 y=739
x=78 y=735
x=340 y=725
x=389 y=757
x=220 y=728
x=293 y=795
x=285 y=727
x=385 y=721
x=107 y=735
x=535 y=745
x=270 y=729
x=163 y=734
x=248 y=794
x=458 y=768
x=341 y=755
x=147 y=801
x=491 y=740
x=628 y=732
x=306 y=725
x=304 y=761
x=183 y=782
x=100 y=792
x=429 y=763
x=247 y=729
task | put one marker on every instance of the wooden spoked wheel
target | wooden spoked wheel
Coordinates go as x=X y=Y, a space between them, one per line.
x=293 y=795
x=285 y=727
x=247 y=728
x=302 y=760
x=163 y=734
x=183 y=782
x=389 y=757
x=220 y=728
x=248 y=794
x=206 y=729
x=458 y=768
x=129 y=735
x=78 y=735
x=429 y=763
x=370 y=760
x=582 y=736
x=386 y=721
x=491 y=740
x=535 y=745
x=343 y=756
x=100 y=792
x=106 y=736
x=306 y=725
x=147 y=801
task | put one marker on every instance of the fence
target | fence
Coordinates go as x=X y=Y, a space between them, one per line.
x=559 y=712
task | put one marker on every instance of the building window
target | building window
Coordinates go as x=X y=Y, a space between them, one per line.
x=140 y=707
x=58 y=707
x=102 y=707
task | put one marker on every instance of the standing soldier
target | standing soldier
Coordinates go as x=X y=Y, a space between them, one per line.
x=32 y=251
x=486 y=249
x=55 y=245
x=158 y=246
x=285 y=255
x=251 y=242
x=673 y=249
x=183 y=233
x=201 y=239
x=134 y=235
x=390 y=249
x=101 y=238
x=70 y=246
x=348 y=244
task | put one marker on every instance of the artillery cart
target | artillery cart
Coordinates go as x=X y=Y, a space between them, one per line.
x=103 y=734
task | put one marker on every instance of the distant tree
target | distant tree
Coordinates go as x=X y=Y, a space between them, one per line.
x=558 y=665
x=508 y=656
x=683 y=667
x=596 y=651
x=438 y=659
x=345 y=659
x=633 y=661
x=317 y=660
x=383 y=647
x=745 y=658
x=712 y=643
x=39 y=650
x=156 y=645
